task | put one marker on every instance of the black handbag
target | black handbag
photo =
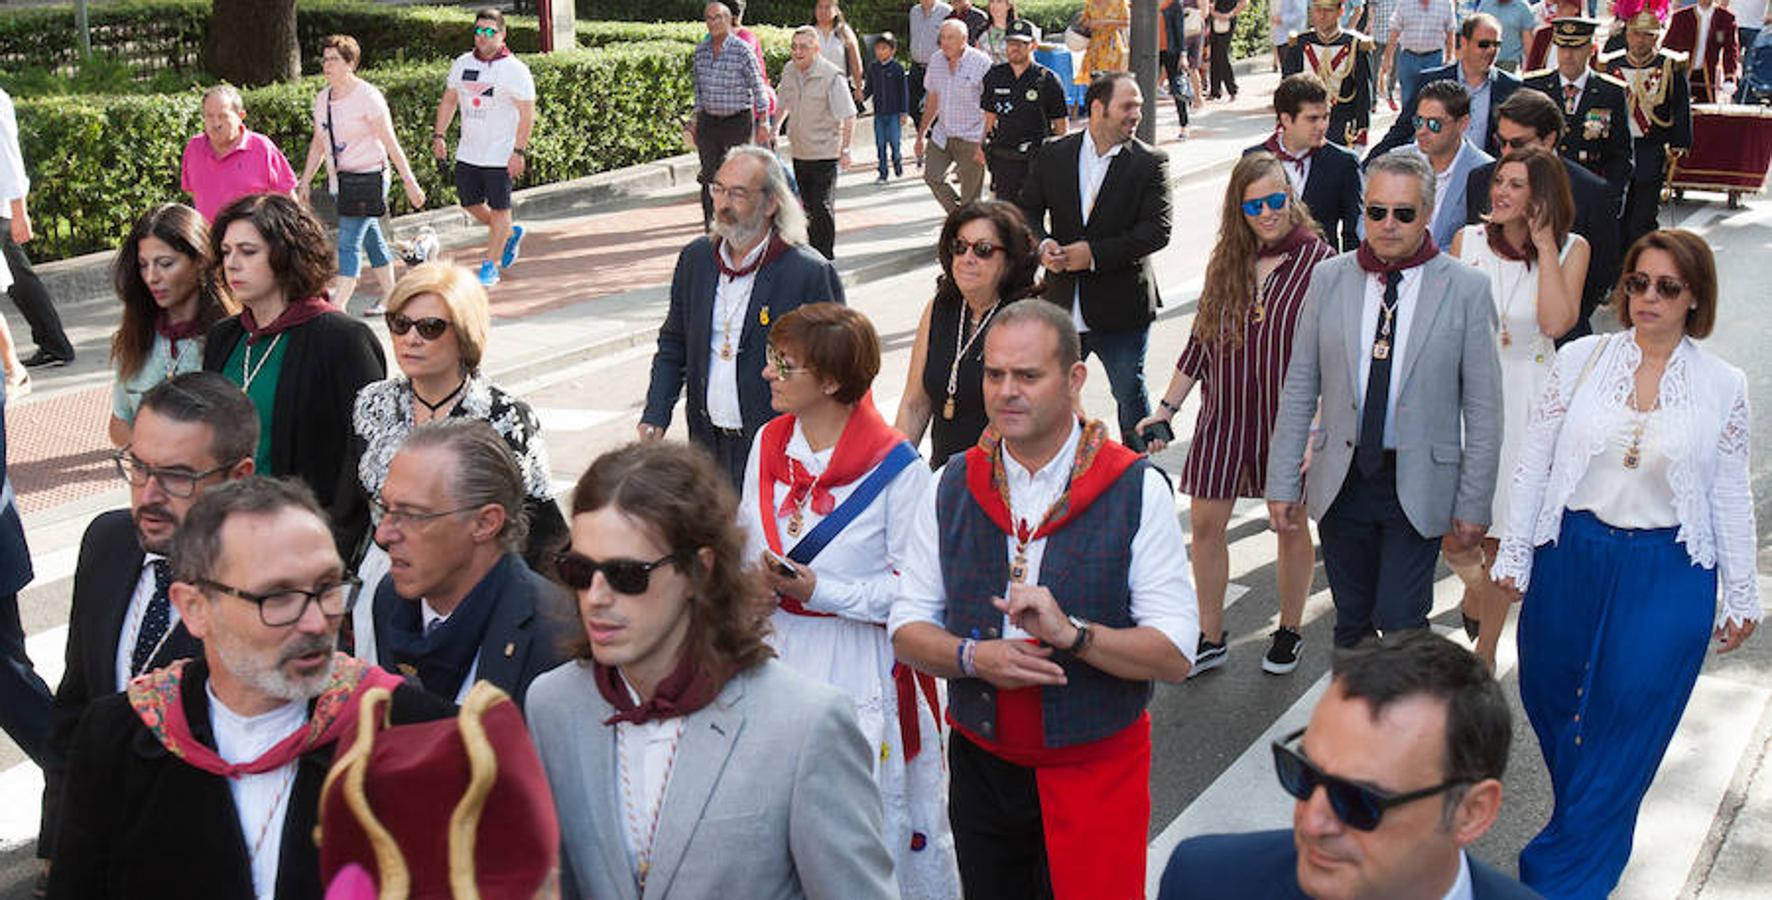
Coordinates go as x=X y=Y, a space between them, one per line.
x=360 y=194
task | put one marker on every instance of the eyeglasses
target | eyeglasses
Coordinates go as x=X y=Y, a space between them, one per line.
x=485 y=31
x=1430 y=123
x=983 y=249
x=1519 y=143
x=717 y=190
x=779 y=362
x=180 y=483
x=1487 y=44
x=624 y=576
x=399 y=518
x=1358 y=806
x=430 y=327
x=1637 y=284
x=1404 y=214
x=1275 y=201
x=285 y=607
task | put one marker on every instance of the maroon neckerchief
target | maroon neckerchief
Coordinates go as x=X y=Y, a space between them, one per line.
x=1499 y=243
x=1370 y=262
x=1297 y=237
x=1274 y=146
x=501 y=54
x=174 y=332
x=777 y=247
x=298 y=312
x=688 y=688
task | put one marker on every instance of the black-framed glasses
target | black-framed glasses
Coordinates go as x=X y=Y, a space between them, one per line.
x=399 y=518
x=176 y=482
x=485 y=31
x=430 y=327
x=625 y=576
x=281 y=608
x=1637 y=284
x=1358 y=806
x=1404 y=214
x=1275 y=201
x=778 y=361
x=984 y=248
x=1432 y=124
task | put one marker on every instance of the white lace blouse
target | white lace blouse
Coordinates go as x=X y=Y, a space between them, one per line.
x=1705 y=442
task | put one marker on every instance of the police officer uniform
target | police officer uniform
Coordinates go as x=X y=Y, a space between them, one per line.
x=1025 y=106
x=1344 y=63
x=1595 y=115
x=1660 y=108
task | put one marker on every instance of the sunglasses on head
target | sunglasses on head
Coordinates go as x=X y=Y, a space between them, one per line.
x=430 y=328
x=983 y=249
x=1358 y=806
x=1404 y=214
x=1637 y=284
x=1275 y=201
x=625 y=576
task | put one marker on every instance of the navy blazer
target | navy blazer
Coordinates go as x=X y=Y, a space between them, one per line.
x=15 y=555
x=1403 y=129
x=1333 y=192
x=797 y=277
x=1264 y=866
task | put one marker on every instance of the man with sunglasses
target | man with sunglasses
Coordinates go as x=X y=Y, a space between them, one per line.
x=203 y=779
x=1397 y=348
x=459 y=605
x=1479 y=40
x=1442 y=113
x=1596 y=129
x=194 y=432
x=1398 y=772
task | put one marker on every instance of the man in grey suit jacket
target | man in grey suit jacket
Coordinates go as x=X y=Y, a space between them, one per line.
x=1397 y=343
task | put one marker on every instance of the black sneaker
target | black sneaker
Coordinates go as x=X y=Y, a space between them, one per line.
x=1282 y=655
x=45 y=359
x=1209 y=655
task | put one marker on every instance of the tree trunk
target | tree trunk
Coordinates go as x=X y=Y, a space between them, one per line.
x=252 y=42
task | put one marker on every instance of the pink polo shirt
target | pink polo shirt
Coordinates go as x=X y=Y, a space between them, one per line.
x=254 y=166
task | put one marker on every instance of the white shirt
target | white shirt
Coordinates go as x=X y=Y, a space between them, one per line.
x=732 y=297
x=1704 y=14
x=262 y=800
x=132 y=619
x=644 y=758
x=14 y=183
x=1092 y=167
x=1162 y=590
x=486 y=92
x=427 y=615
x=1461 y=886
x=1297 y=173
x=1407 y=292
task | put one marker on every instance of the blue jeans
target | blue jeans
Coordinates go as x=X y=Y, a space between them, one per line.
x=1122 y=354
x=358 y=234
x=888 y=130
x=1409 y=68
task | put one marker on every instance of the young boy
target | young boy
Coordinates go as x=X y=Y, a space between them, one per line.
x=885 y=82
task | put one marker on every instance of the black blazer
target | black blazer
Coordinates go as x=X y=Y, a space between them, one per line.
x=327 y=361
x=138 y=822
x=1333 y=193
x=1591 y=194
x=531 y=620
x=1264 y=866
x=1603 y=146
x=1402 y=131
x=1129 y=223
x=796 y=277
x=105 y=578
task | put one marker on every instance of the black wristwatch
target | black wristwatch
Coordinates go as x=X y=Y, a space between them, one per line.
x=520 y=152
x=1082 y=626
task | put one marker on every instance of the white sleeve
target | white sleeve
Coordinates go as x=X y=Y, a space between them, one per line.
x=521 y=83
x=871 y=599
x=14 y=183
x=748 y=520
x=1162 y=588
x=1732 y=515
x=453 y=82
x=921 y=597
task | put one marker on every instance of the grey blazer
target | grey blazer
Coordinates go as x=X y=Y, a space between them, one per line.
x=1448 y=407
x=771 y=796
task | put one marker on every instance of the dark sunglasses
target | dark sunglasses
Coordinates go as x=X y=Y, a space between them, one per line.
x=1487 y=45
x=1404 y=214
x=1275 y=201
x=1519 y=143
x=1434 y=125
x=1637 y=284
x=1356 y=805
x=983 y=249
x=625 y=576
x=430 y=328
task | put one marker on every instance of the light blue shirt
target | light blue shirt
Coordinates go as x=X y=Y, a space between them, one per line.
x=126 y=393
x=1478 y=131
x=1515 y=16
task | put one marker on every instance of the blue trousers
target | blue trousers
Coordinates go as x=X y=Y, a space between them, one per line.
x=1122 y=355
x=1409 y=69
x=1380 y=569
x=1613 y=631
x=888 y=131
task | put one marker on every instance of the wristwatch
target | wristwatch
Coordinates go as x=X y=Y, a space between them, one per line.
x=1082 y=626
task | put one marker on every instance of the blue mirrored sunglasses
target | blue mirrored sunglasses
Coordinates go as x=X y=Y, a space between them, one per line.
x=1433 y=125
x=1275 y=201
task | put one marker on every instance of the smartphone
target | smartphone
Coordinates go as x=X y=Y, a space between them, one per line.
x=1158 y=431
x=781 y=566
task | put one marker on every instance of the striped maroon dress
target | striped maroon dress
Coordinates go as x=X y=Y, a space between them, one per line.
x=1240 y=386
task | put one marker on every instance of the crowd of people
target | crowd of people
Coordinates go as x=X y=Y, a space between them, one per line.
x=791 y=656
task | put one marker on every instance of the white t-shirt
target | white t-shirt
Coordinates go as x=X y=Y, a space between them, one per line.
x=486 y=90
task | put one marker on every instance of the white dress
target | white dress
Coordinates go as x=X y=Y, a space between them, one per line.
x=857 y=582
x=1526 y=356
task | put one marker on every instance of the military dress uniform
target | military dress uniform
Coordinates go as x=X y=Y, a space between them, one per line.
x=1596 y=132
x=1660 y=109
x=1344 y=62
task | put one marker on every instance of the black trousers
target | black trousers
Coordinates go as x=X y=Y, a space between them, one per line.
x=1381 y=570
x=32 y=299
x=731 y=449
x=818 y=196
x=994 y=809
x=1178 y=86
x=1221 y=72
x=918 y=70
x=1008 y=173
x=1642 y=207
x=714 y=135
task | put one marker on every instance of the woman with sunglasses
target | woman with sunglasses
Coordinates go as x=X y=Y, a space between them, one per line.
x=988 y=260
x=1268 y=244
x=1536 y=270
x=828 y=497
x=439 y=320
x=167 y=281
x=299 y=358
x=1630 y=511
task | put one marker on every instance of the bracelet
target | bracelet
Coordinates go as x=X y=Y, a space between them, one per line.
x=963 y=657
x=437 y=136
x=1164 y=403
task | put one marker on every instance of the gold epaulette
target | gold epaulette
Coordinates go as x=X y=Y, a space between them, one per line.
x=1614 y=80
x=1541 y=73
x=1361 y=41
x=1606 y=59
x=1293 y=40
x=1680 y=59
